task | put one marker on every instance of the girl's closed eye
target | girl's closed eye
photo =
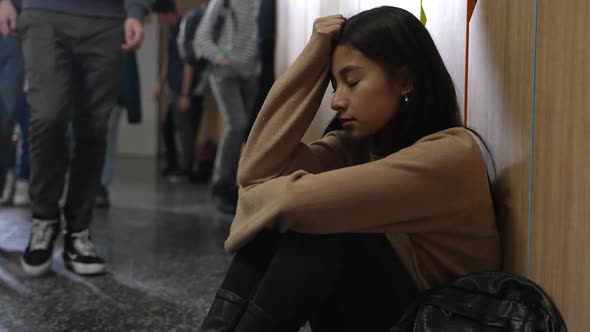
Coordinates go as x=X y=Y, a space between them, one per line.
x=352 y=84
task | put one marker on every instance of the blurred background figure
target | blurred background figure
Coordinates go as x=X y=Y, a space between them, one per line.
x=16 y=184
x=11 y=86
x=130 y=101
x=178 y=80
x=21 y=190
x=227 y=39
x=266 y=49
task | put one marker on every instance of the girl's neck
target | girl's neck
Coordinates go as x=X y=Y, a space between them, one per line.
x=382 y=142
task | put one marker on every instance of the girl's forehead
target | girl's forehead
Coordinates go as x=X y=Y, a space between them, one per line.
x=345 y=50
x=345 y=55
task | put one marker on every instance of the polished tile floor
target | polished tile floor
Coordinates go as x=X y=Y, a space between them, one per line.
x=164 y=247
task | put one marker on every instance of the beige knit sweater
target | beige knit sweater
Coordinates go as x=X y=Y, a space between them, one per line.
x=431 y=199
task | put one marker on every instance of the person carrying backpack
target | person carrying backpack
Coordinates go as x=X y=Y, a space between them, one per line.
x=227 y=39
x=179 y=78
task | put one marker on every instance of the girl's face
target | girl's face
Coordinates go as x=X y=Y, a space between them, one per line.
x=366 y=96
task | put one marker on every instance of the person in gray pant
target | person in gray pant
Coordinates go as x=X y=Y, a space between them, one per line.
x=73 y=53
x=233 y=79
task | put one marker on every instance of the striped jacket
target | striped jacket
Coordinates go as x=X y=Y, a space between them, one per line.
x=237 y=41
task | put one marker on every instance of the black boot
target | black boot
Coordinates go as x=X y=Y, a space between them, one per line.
x=256 y=320
x=225 y=312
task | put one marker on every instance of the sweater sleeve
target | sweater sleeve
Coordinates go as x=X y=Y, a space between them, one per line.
x=401 y=193
x=274 y=146
x=137 y=8
x=204 y=44
x=17 y=4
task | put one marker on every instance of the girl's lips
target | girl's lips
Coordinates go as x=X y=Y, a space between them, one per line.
x=346 y=121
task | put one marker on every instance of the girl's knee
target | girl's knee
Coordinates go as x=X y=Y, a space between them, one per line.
x=314 y=244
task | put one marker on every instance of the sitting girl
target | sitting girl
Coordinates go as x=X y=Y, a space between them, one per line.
x=393 y=200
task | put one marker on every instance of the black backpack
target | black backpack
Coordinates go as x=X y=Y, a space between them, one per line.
x=483 y=302
x=188 y=29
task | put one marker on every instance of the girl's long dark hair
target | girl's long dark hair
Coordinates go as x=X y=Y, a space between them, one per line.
x=397 y=40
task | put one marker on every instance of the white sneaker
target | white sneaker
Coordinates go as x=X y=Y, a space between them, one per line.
x=80 y=254
x=37 y=258
x=21 y=193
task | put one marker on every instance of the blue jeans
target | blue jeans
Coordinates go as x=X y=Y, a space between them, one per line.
x=109 y=159
x=235 y=96
x=12 y=73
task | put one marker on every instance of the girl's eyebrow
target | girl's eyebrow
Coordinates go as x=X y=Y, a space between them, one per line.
x=348 y=69
x=343 y=72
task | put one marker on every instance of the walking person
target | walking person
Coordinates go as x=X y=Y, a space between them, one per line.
x=73 y=52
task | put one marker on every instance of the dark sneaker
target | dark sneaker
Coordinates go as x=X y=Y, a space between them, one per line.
x=80 y=254
x=37 y=258
x=102 y=200
x=225 y=197
x=203 y=173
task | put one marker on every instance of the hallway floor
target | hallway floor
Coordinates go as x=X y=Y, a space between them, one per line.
x=164 y=249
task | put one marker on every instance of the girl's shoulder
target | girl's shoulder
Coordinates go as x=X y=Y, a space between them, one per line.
x=453 y=148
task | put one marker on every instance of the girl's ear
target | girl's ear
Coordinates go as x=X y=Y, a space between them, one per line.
x=405 y=80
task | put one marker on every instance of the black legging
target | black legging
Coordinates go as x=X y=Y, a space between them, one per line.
x=342 y=282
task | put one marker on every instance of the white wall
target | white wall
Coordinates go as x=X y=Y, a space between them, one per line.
x=447 y=26
x=140 y=140
x=446 y=23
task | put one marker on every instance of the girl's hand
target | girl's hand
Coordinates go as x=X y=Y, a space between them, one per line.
x=329 y=25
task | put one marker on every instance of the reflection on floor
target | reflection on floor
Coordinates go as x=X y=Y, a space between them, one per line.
x=164 y=248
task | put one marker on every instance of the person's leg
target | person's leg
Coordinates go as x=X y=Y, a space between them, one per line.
x=169 y=130
x=187 y=124
x=112 y=135
x=375 y=292
x=265 y=82
x=21 y=192
x=227 y=89
x=23 y=164
x=102 y=196
x=186 y=131
x=48 y=68
x=344 y=282
x=250 y=88
x=299 y=279
x=98 y=74
x=7 y=193
x=250 y=263
x=11 y=84
x=240 y=282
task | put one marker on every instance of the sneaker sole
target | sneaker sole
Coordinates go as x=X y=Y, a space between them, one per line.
x=86 y=269
x=35 y=270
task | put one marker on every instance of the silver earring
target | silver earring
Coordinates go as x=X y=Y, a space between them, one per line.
x=406 y=98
